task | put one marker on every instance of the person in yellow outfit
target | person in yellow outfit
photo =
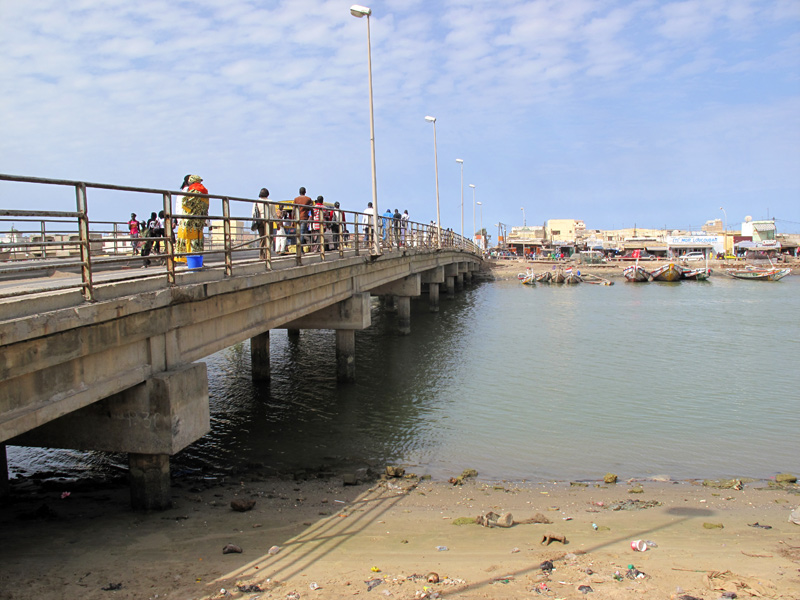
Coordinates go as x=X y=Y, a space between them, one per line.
x=190 y=231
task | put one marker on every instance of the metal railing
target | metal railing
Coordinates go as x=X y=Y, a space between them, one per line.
x=69 y=239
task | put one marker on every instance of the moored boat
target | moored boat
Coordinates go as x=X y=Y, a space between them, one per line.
x=701 y=274
x=636 y=273
x=668 y=272
x=759 y=273
x=544 y=277
x=572 y=276
x=557 y=277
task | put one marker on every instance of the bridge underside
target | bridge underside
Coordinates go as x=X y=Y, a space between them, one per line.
x=121 y=374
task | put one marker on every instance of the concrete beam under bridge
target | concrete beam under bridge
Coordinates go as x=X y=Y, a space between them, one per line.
x=150 y=421
x=345 y=317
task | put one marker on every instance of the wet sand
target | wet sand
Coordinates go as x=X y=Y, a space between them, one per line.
x=338 y=538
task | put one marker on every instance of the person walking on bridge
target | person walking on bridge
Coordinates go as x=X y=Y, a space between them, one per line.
x=366 y=220
x=304 y=203
x=195 y=211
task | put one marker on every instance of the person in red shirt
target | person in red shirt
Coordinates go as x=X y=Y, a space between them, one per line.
x=304 y=203
x=133 y=229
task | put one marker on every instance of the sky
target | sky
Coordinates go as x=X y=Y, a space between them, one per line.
x=618 y=113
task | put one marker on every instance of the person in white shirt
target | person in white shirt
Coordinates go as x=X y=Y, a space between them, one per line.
x=366 y=219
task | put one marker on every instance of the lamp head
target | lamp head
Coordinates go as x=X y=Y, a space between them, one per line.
x=478 y=203
x=360 y=11
x=472 y=185
x=430 y=119
x=459 y=160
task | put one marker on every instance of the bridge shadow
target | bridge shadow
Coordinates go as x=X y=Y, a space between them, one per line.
x=324 y=538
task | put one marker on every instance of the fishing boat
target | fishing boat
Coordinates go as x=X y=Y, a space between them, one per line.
x=572 y=276
x=544 y=277
x=668 y=272
x=528 y=277
x=636 y=273
x=759 y=273
x=701 y=274
x=557 y=277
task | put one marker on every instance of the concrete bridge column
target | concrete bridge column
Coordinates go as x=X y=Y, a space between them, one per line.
x=3 y=472
x=294 y=334
x=433 y=297
x=149 y=479
x=345 y=318
x=433 y=277
x=259 y=357
x=468 y=277
x=346 y=355
x=403 y=304
x=151 y=421
x=460 y=282
x=451 y=273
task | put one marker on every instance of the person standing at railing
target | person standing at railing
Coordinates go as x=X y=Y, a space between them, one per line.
x=317 y=225
x=386 y=221
x=337 y=220
x=366 y=220
x=259 y=214
x=404 y=228
x=195 y=211
x=133 y=230
x=304 y=203
x=396 y=221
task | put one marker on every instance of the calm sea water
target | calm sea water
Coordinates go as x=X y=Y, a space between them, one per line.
x=689 y=380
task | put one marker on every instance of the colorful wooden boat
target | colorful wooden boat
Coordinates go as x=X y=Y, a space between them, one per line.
x=571 y=276
x=557 y=277
x=544 y=277
x=759 y=273
x=700 y=274
x=636 y=273
x=668 y=272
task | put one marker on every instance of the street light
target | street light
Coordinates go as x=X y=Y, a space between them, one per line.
x=725 y=243
x=461 y=162
x=436 y=168
x=362 y=11
x=472 y=185
x=483 y=233
x=522 y=208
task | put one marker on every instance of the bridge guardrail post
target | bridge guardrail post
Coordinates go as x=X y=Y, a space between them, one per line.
x=226 y=235
x=298 y=238
x=86 y=249
x=169 y=236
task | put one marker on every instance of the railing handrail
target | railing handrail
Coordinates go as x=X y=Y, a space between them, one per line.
x=274 y=225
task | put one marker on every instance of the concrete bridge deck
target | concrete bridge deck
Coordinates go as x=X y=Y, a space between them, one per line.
x=121 y=373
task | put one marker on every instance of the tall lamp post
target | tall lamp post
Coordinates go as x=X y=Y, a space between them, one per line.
x=472 y=185
x=436 y=168
x=461 y=162
x=522 y=208
x=362 y=11
x=725 y=243
x=483 y=233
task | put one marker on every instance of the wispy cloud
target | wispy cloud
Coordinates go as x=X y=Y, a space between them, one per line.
x=550 y=98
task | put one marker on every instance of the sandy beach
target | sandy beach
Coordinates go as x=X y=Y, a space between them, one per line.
x=319 y=538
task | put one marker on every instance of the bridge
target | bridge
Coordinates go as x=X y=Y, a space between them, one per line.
x=98 y=354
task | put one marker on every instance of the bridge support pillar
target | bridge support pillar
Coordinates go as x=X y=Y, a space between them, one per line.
x=433 y=297
x=346 y=355
x=403 y=304
x=149 y=480
x=259 y=357
x=294 y=334
x=3 y=472
x=451 y=286
x=468 y=277
x=459 y=282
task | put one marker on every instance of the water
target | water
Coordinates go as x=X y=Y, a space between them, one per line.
x=689 y=380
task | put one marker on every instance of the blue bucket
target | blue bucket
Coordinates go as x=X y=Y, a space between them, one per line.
x=194 y=262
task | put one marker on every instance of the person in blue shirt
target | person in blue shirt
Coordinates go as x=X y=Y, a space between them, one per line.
x=386 y=222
